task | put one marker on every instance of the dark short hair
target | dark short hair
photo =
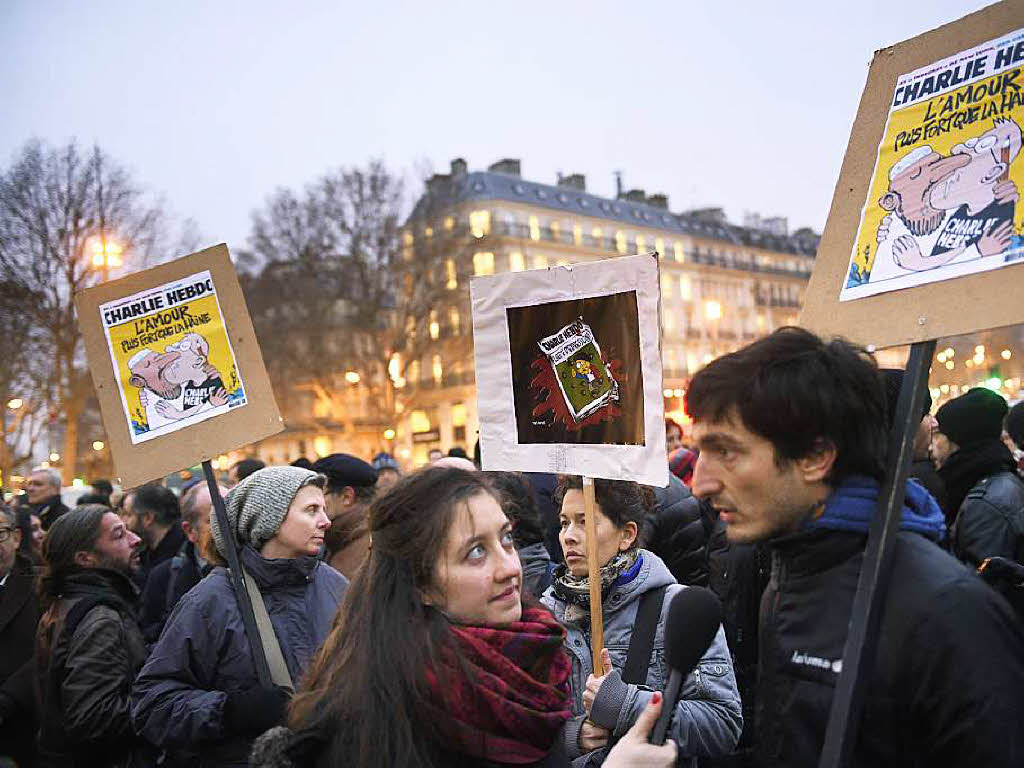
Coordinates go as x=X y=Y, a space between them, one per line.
x=102 y=486
x=672 y=424
x=794 y=390
x=520 y=506
x=621 y=501
x=246 y=467
x=158 y=501
x=458 y=451
x=303 y=463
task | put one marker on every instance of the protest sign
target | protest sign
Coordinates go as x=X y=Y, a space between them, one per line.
x=568 y=370
x=924 y=230
x=176 y=365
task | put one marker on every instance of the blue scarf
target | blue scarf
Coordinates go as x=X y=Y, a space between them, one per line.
x=851 y=506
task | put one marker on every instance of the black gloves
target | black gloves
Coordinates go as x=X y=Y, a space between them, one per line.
x=254 y=710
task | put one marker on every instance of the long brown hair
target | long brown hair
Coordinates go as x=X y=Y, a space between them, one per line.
x=73 y=532
x=366 y=689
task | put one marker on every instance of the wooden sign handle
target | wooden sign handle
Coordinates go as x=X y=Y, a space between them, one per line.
x=594 y=569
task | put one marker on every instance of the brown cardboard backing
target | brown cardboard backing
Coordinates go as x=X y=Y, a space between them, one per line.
x=259 y=418
x=949 y=308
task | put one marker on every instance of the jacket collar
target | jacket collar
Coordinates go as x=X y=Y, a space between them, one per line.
x=281 y=572
x=90 y=581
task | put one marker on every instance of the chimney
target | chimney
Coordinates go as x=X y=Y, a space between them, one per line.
x=458 y=167
x=658 y=201
x=437 y=182
x=574 y=181
x=618 y=185
x=508 y=166
x=636 y=196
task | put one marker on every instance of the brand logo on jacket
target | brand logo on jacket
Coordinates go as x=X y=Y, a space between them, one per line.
x=807 y=660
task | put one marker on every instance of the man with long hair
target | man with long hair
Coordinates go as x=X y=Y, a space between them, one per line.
x=88 y=644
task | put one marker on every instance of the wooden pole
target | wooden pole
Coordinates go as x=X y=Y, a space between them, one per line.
x=873 y=584
x=594 y=569
x=252 y=633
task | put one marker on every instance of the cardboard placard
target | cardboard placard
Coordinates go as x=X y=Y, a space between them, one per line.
x=568 y=370
x=176 y=365
x=925 y=237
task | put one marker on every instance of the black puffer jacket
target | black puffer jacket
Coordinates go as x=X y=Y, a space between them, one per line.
x=86 y=674
x=203 y=653
x=677 y=530
x=990 y=522
x=948 y=683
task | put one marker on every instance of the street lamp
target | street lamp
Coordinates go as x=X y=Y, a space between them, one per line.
x=15 y=403
x=97 y=445
x=106 y=255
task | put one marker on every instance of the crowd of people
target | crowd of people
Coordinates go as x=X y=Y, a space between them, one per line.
x=442 y=617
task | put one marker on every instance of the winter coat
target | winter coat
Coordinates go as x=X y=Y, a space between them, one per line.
x=19 y=615
x=167 y=584
x=282 y=748
x=676 y=530
x=48 y=510
x=990 y=522
x=85 y=675
x=707 y=720
x=537 y=568
x=947 y=686
x=169 y=546
x=203 y=653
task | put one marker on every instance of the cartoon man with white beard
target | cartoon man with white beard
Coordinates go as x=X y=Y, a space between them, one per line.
x=184 y=382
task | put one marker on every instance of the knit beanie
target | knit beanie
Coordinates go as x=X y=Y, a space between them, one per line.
x=1014 y=424
x=972 y=418
x=258 y=505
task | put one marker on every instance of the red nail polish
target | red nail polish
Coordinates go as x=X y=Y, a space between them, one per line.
x=656 y=698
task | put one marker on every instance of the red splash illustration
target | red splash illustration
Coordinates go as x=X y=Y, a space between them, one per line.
x=545 y=386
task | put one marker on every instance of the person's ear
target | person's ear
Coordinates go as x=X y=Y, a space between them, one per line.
x=348 y=495
x=627 y=536
x=818 y=463
x=84 y=559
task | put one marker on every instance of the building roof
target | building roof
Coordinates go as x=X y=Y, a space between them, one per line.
x=444 y=191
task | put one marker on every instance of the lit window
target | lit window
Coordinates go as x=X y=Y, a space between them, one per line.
x=666 y=286
x=449 y=222
x=670 y=359
x=659 y=246
x=429 y=231
x=414 y=371
x=451 y=274
x=641 y=244
x=540 y=261
x=577 y=234
x=556 y=229
x=458 y=414
x=407 y=238
x=677 y=248
x=670 y=322
x=438 y=370
x=322 y=446
x=534 y=228
x=685 y=289
x=596 y=233
x=712 y=310
x=480 y=223
x=483 y=263
x=620 y=241
x=454 y=319
x=692 y=363
x=419 y=421
x=435 y=327
x=516 y=262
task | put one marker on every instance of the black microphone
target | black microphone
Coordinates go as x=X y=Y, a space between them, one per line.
x=694 y=616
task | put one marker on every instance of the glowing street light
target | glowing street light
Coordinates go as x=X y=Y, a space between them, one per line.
x=55 y=457
x=97 y=445
x=1006 y=354
x=15 y=403
x=352 y=377
x=389 y=434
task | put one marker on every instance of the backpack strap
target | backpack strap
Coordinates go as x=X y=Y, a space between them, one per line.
x=271 y=646
x=641 y=641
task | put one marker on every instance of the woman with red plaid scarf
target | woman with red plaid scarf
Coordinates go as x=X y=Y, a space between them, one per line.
x=434 y=658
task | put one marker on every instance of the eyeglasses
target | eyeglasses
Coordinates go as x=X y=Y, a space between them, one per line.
x=5 y=533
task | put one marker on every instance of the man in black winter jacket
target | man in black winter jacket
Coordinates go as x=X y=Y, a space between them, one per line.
x=981 y=478
x=677 y=529
x=792 y=437
x=88 y=644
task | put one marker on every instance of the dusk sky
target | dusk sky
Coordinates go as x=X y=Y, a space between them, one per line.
x=212 y=105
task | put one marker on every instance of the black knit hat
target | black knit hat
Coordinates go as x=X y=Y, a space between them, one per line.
x=893 y=378
x=973 y=418
x=1014 y=424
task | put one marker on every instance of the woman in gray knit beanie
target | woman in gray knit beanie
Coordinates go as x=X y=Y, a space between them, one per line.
x=198 y=691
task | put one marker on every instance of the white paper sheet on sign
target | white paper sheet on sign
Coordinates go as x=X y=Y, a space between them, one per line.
x=568 y=370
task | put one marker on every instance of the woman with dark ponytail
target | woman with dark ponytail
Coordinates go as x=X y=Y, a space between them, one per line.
x=435 y=658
